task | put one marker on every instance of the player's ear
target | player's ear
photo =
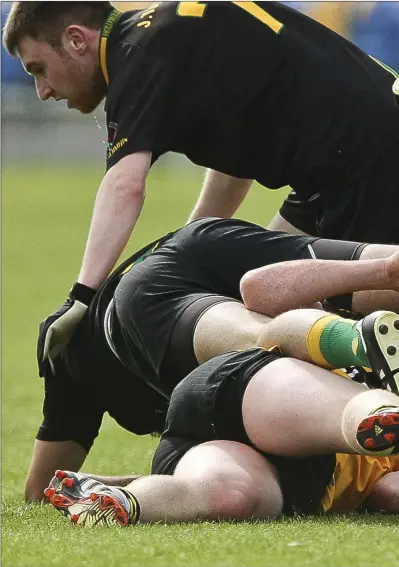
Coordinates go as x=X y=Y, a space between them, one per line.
x=74 y=40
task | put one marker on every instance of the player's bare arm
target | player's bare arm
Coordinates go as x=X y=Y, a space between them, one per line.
x=279 y=223
x=46 y=458
x=118 y=205
x=304 y=282
x=220 y=196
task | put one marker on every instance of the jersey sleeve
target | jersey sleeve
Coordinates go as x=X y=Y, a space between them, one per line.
x=136 y=103
x=69 y=414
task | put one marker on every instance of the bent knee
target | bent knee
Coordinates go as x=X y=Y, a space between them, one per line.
x=238 y=498
x=385 y=494
x=234 y=480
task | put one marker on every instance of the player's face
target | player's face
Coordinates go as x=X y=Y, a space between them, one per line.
x=58 y=75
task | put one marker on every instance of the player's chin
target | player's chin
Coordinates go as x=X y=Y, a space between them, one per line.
x=86 y=107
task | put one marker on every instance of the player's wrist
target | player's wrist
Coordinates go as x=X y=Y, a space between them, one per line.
x=81 y=292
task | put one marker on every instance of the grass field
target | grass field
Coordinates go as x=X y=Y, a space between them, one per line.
x=46 y=213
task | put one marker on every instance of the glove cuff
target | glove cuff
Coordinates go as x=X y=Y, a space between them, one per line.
x=82 y=293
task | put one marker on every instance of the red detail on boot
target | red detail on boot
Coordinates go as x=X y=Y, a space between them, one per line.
x=61 y=501
x=390 y=419
x=121 y=516
x=74 y=518
x=93 y=496
x=366 y=424
x=369 y=443
x=107 y=502
x=49 y=492
x=60 y=475
x=69 y=482
x=390 y=438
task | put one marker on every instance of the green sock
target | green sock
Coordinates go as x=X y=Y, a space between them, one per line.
x=341 y=344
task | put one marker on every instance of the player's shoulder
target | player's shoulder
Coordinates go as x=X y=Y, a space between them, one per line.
x=139 y=27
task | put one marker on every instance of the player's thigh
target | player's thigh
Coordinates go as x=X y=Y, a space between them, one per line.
x=239 y=480
x=291 y=407
x=180 y=357
x=224 y=327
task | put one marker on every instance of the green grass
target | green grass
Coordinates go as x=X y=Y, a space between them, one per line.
x=46 y=213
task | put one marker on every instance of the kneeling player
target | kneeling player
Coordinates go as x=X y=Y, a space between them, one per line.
x=254 y=435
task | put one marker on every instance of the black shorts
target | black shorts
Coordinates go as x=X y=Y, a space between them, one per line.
x=365 y=212
x=207 y=405
x=159 y=301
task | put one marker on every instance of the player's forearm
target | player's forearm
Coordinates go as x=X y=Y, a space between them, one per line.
x=290 y=285
x=220 y=196
x=47 y=457
x=116 y=211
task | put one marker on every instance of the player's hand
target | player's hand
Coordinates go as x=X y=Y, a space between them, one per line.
x=56 y=330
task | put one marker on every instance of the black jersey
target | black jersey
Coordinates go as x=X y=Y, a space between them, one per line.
x=252 y=89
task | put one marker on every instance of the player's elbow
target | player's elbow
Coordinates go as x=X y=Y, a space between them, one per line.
x=249 y=290
x=127 y=177
x=127 y=187
x=257 y=295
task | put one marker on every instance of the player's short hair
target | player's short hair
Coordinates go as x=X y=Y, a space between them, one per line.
x=46 y=21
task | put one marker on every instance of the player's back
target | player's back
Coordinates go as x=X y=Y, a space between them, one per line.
x=258 y=90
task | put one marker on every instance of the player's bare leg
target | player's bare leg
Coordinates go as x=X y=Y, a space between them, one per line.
x=214 y=480
x=296 y=409
x=311 y=335
x=226 y=327
x=385 y=494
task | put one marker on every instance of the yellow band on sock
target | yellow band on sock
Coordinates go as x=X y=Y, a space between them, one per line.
x=340 y=372
x=313 y=340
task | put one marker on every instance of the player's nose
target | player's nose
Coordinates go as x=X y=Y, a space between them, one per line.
x=43 y=89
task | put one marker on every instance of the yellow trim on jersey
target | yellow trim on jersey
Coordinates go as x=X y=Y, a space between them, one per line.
x=313 y=340
x=109 y=24
x=353 y=480
x=198 y=9
x=260 y=14
x=192 y=9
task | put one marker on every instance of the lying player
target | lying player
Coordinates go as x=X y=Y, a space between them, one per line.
x=254 y=435
x=177 y=307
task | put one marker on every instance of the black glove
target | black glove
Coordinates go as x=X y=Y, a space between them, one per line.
x=56 y=331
